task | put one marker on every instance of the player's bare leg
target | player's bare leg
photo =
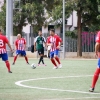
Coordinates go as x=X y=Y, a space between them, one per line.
x=8 y=66
x=95 y=77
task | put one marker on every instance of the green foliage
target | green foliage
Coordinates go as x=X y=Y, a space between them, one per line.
x=31 y=11
x=71 y=34
x=3 y=18
x=57 y=12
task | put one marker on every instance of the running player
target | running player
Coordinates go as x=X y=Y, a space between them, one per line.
x=3 y=52
x=20 y=45
x=97 y=72
x=39 y=43
x=54 y=41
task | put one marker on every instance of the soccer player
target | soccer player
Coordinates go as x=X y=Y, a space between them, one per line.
x=48 y=48
x=54 y=41
x=3 y=52
x=97 y=53
x=39 y=43
x=20 y=45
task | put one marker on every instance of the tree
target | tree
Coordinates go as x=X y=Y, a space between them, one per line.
x=31 y=11
x=87 y=12
x=3 y=18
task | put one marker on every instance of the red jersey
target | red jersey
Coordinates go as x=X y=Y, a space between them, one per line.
x=59 y=37
x=3 y=42
x=20 y=44
x=54 y=40
x=98 y=37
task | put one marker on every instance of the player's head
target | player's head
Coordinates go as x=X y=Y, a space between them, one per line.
x=18 y=36
x=52 y=32
x=40 y=32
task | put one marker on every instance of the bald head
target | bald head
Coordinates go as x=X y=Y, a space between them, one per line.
x=18 y=36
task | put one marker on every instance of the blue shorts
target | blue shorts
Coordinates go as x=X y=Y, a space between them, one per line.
x=4 y=56
x=56 y=52
x=98 y=62
x=20 y=52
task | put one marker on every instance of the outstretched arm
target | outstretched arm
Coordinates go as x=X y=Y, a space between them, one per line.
x=97 y=47
x=10 y=46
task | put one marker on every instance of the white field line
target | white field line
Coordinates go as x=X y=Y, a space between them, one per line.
x=19 y=83
x=80 y=98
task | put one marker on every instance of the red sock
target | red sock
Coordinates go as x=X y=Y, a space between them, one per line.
x=53 y=61
x=7 y=65
x=15 y=58
x=95 y=77
x=26 y=59
x=57 y=59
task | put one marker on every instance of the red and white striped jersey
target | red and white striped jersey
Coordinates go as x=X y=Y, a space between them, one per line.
x=98 y=37
x=54 y=41
x=20 y=44
x=3 y=42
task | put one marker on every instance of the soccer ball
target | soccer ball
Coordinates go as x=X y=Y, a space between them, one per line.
x=33 y=66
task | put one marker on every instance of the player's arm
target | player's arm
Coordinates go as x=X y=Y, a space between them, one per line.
x=6 y=40
x=59 y=42
x=24 y=43
x=97 y=47
x=48 y=42
x=10 y=46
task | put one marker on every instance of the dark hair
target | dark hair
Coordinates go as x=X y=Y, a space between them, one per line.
x=40 y=29
x=0 y=30
x=52 y=30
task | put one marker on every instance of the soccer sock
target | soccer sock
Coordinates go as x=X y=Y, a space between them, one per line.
x=53 y=61
x=57 y=59
x=15 y=58
x=7 y=65
x=95 y=77
x=26 y=59
x=40 y=59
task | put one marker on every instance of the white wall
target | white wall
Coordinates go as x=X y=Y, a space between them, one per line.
x=57 y=30
x=69 y=20
x=74 y=18
x=72 y=21
x=44 y=29
x=26 y=29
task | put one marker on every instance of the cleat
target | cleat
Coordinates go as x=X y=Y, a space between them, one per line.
x=28 y=63
x=55 y=67
x=13 y=63
x=39 y=65
x=91 y=89
x=60 y=66
x=9 y=71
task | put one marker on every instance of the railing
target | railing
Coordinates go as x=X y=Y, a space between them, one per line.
x=88 y=42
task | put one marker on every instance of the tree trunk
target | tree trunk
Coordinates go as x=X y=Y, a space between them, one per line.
x=79 y=39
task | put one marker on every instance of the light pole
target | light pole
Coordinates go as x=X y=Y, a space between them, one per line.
x=9 y=21
x=64 y=29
